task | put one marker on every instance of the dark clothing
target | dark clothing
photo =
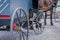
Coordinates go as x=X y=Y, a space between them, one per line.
x=35 y=4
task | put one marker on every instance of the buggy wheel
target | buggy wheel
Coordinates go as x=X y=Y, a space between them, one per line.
x=38 y=24
x=19 y=18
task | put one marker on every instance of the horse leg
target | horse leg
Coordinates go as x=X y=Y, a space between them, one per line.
x=45 y=17
x=51 y=17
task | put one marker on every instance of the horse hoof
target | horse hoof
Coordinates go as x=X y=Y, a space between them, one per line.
x=45 y=24
x=51 y=23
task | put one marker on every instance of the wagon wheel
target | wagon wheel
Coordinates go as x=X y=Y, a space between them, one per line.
x=38 y=24
x=19 y=18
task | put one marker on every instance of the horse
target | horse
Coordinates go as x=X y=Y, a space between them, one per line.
x=46 y=3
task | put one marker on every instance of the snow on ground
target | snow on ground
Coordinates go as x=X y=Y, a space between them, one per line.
x=49 y=33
